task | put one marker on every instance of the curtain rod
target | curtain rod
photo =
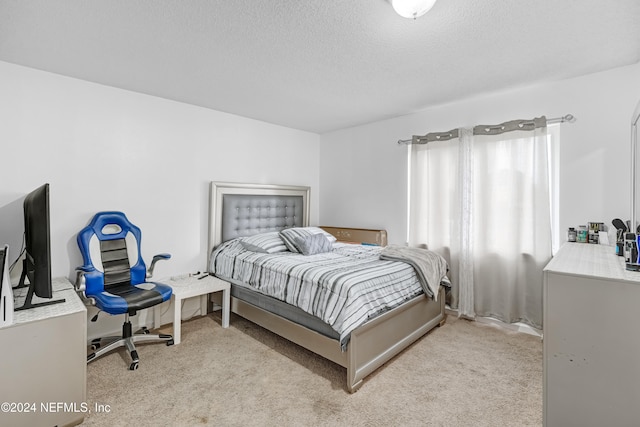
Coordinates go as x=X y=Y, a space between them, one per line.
x=491 y=129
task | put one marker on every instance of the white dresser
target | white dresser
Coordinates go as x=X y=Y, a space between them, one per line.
x=43 y=366
x=591 y=339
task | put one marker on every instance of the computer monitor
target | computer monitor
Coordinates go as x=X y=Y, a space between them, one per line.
x=36 y=266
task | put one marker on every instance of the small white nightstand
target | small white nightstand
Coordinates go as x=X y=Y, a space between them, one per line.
x=192 y=286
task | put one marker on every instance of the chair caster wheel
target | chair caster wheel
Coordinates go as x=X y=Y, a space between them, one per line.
x=133 y=366
x=95 y=346
x=145 y=330
x=170 y=342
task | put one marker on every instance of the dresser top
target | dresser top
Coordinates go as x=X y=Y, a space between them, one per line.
x=62 y=288
x=585 y=259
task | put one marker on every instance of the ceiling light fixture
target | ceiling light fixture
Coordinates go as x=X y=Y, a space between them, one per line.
x=412 y=8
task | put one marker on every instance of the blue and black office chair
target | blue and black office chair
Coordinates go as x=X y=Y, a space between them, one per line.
x=113 y=278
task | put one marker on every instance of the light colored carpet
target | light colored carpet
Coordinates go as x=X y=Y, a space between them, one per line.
x=461 y=374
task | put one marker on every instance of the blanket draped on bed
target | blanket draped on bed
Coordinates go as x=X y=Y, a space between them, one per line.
x=430 y=267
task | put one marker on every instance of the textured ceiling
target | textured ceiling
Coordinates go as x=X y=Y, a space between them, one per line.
x=318 y=65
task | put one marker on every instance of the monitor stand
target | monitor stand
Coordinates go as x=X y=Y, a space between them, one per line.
x=28 y=300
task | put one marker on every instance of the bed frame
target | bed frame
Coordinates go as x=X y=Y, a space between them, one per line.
x=372 y=344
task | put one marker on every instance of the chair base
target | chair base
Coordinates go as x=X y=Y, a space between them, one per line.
x=127 y=340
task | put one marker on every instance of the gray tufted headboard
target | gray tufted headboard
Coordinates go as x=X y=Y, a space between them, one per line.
x=244 y=209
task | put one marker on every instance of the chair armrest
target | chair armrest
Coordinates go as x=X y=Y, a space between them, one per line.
x=155 y=259
x=80 y=283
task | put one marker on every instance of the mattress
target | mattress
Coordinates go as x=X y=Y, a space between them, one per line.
x=281 y=308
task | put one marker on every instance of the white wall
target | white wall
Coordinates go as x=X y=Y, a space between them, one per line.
x=103 y=148
x=363 y=171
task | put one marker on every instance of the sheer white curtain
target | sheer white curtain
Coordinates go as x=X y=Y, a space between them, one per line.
x=482 y=201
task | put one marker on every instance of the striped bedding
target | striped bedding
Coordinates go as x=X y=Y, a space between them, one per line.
x=344 y=287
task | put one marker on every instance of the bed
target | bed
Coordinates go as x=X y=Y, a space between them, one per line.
x=239 y=212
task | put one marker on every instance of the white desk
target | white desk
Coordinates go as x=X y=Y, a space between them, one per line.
x=591 y=346
x=44 y=360
x=193 y=286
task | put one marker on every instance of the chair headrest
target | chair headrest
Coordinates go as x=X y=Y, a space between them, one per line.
x=111 y=225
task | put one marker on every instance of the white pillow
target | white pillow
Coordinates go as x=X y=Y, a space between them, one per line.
x=267 y=243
